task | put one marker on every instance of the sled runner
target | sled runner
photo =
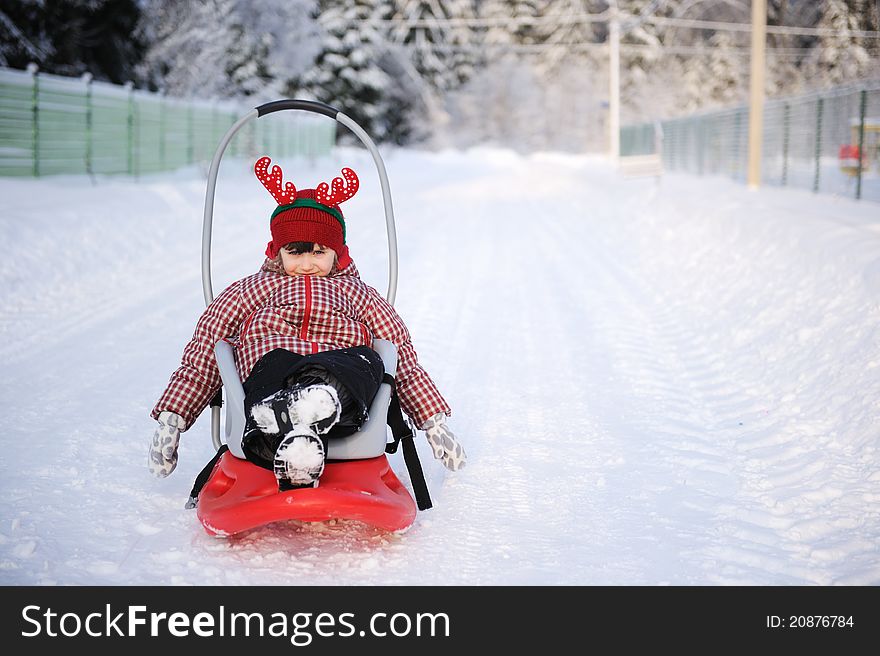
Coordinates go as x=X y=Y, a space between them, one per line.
x=232 y=494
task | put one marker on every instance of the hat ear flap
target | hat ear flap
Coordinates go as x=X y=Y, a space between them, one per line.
x=343 y=258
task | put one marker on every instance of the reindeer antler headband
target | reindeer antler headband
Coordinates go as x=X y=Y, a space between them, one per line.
x=309 y=214
x=326 y=196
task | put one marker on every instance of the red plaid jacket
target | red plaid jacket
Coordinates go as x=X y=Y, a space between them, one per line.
x=303 y=314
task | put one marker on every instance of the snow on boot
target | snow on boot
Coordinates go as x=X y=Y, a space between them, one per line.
x=316 y=406
x=299 y=459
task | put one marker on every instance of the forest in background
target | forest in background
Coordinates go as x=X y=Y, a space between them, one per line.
x=529 y=74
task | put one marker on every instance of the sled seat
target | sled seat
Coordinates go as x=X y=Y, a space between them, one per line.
x=368 y=442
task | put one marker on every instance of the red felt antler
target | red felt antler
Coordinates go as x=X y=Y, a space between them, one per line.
x=342 y=190
x=285 y=194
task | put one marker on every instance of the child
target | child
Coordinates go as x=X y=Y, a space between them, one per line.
x=302 y=329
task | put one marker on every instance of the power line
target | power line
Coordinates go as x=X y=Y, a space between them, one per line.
x=689 y=23
x=513 y=21
x=736 y=51
x=537 y=48
x=628 y=21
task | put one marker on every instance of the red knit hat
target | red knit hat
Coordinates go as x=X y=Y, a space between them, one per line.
x=311 y=215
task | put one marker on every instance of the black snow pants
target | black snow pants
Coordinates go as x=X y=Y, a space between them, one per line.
x=354 y=372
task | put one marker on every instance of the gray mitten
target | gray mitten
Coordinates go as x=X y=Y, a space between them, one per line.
x=446 y=447
x=163 y=446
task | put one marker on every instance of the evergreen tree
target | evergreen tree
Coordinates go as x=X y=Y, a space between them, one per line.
x=727 y=76
x=442 y=54
x=226 y=48
x=645 y=57
x=782 y=72
x=839 y=59
x=353 y=70
x=565 y=36
x=526 y=33
x=187 y=55
x=504 y=28
x=247 y=66
x=71 y=37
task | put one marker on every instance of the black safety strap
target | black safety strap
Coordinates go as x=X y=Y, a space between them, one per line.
x=202 y=478
x=403 y=433
x=217 y=399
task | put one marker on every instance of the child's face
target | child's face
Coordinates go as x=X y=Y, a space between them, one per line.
x=317 y=263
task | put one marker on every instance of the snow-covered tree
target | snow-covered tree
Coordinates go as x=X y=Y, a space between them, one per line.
x=442 y=54
x=637 y=28
x=357 y=71
x=504 y=28
x=642 y=55
x=226 y=48
x=727 y=74
x=838 y=59
x=565 y=34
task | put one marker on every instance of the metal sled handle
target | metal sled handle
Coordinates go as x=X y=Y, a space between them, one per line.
x=317 y=108
x=263 y=110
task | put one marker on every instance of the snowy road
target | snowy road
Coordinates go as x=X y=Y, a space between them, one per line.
x=666 y=383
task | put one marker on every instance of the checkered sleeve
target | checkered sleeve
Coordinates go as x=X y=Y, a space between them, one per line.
x=198 y=378
x=419 y=396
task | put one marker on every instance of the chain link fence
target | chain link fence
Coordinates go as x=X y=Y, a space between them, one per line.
x=55 y=125
x=827 y=142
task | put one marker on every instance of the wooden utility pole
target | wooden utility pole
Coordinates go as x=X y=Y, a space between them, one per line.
x=756 y=91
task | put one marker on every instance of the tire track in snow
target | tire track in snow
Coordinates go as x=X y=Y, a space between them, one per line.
x=689 y=407
x=519 y=408
x=693 y=435
x=651 y=499
x=764 y=527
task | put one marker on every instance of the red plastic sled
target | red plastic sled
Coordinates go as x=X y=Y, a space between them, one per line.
x=239 y=496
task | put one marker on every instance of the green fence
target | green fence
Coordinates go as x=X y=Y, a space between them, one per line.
x=826 y=142
x=51 y=125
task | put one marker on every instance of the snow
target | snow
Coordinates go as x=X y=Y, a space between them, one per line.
x=302 y=456
x=656 y=381
x=264 y=417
